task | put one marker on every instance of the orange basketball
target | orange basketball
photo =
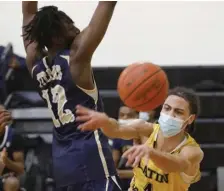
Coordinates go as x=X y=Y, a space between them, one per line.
x=143 y=86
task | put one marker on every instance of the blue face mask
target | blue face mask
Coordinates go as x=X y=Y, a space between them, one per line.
x=144 y=116
x=126 y=121
x=170 y=126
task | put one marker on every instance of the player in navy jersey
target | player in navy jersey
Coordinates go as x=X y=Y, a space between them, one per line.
x=64 y=77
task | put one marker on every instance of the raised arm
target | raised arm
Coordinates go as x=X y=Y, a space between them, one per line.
x=86 y=43
x=29 y=8
x=110 y=127
x=92 y=35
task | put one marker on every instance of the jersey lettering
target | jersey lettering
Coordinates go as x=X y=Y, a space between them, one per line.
x=55 y=95
x=149 y=173
x=44 y=77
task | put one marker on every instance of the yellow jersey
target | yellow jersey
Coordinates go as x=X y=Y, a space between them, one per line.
x=150 y=178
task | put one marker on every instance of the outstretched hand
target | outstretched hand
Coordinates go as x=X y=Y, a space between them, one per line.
x=91 y=119
x=136 y=153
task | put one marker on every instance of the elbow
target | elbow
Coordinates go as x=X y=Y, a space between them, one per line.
x=181 y=167
x=178 y=166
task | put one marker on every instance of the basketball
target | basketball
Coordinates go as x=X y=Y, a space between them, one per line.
x=143 y=86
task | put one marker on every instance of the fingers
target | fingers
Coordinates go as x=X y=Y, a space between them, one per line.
x=5 y=118
x=2 y=108
x=4 y=112
x=147 y=158
x=84 y=115
x=128 y=152
x=88 y=126
x=130 y=155
x=83 y=118
x=4 y=150
x=134 y=156
x=80 y=110
x=136 y=161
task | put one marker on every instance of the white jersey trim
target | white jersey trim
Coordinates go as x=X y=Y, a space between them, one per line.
x=102 y=157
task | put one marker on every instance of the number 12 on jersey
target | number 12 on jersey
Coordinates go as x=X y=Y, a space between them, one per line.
x=58 y=97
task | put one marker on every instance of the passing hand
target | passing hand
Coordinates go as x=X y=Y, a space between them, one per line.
x=136 y=153
x=92 y=119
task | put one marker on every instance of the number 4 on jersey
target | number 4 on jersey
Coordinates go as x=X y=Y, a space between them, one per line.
x=148 y=187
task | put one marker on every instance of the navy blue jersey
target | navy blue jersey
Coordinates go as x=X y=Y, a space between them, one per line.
x=77 y=156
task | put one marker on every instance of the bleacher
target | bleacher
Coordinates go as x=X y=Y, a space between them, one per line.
x=32 y=117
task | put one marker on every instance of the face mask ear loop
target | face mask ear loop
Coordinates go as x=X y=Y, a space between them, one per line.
x=185 y=122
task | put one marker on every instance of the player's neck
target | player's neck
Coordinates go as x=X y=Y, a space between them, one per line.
x=54 y=50
x=168 y=144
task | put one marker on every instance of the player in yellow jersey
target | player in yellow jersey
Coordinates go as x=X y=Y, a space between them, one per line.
x=170 y=158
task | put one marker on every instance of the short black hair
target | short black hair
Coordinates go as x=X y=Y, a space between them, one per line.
x=47 y=23
x=192 y=98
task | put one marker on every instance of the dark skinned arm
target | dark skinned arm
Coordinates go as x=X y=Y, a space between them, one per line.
x=86 y=43
x=29 y=8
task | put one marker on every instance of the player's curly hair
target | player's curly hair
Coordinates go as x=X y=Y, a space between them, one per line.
x=46 y=24
x=191 y=97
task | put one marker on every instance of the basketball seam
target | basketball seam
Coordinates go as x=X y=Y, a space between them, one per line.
x=129 y=72
x=151 y=97
x=139 y=85
x=132 y=70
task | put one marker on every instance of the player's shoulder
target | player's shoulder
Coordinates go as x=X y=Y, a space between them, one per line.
x=193 y=151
